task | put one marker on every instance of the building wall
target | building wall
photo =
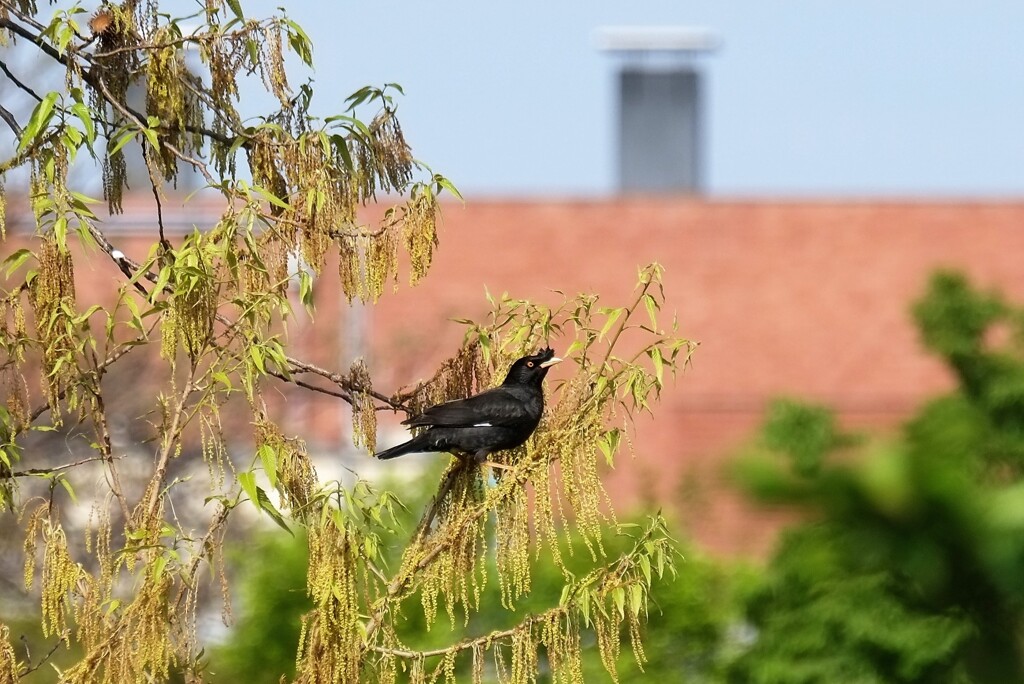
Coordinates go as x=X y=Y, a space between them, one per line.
x=805 y=299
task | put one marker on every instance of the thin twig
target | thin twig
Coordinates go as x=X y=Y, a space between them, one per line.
x=11 y=121
x=66 y=466
x=43 y=408
x=471 y=643
x=169 y=442
x=16 y=81
x=42 y=661
x=346 y=383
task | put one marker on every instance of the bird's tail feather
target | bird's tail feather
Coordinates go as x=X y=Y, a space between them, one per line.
x=409 y=447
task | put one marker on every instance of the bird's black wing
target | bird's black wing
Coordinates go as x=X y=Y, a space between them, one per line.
x=496 y=406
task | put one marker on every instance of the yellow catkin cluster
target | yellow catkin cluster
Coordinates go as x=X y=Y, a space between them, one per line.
x=114 y=28
x=169 y=100
x=60 y=577
x=99 y=544
x=560 y=635
x=135 y=644
x=523 y=669
x=214 y=447
x=329 y=648
x=419 y=229
x=573 y=429
x=224 y=59
x=145 y=524
x=272 y=65
x=390 y=156
x=349 y=267
x=318 y=211
x=364 y=414
x=12 y=323
x=169 y=334
x=53 y=302
x=512 y=548
x=606 y=628
x=296 y=477
x=194 y=300
x=9 y=666
x=380 y=264
x=459 y=376
x=460 y=572
x=263 y=151
x=273 y=253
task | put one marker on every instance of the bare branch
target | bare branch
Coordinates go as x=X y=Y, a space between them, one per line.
x=170 y=440
x=11 y=121
x=18 y=82
x=42 y=661
x=66 y=466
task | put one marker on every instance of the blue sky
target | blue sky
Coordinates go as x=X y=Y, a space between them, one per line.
x=805 y=98
x=866 y=98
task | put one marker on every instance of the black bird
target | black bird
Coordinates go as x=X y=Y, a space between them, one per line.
x=500 y=418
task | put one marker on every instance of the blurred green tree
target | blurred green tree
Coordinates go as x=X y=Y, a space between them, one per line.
x=909 y=563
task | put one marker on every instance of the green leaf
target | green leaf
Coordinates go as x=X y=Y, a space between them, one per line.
x=264 y=503
x=636 y=599
x=652 y=308
x=80 y=110
x=158 y=566
x=609 y=445
x=236 y=8
x=256 y=354
x=584 y=605
x=306 y=289
x=443 y=182
x=253 y=48
x=271 y=197
x=300 y=42
x=67 y=487
x=40 y=118
x=162 y=279
x=619 y=599
x=268 y=457
x=657 y=361
x=645 y=567
x=14 y=261
x=151 y=136
x=613 y=315
x=248 y=482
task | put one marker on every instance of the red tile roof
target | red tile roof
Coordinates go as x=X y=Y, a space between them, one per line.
x=807 y=299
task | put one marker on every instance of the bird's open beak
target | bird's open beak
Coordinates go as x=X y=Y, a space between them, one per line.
x=551 y=362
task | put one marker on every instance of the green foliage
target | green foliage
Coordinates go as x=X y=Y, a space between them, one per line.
x=802 y=432
x=908 y=567
x=272 y=599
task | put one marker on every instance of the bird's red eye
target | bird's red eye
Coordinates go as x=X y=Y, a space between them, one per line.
x=530 y=364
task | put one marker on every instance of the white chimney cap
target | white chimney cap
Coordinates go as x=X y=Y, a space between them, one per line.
x=656 y=39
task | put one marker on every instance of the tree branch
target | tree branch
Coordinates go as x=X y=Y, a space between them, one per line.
x=16 y=81
x=66 y=466
x=171 y=436
x=473 y=642
x=42 y=661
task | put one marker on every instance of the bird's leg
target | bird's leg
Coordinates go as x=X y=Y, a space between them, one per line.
x=480 y=458
x=500 y=466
